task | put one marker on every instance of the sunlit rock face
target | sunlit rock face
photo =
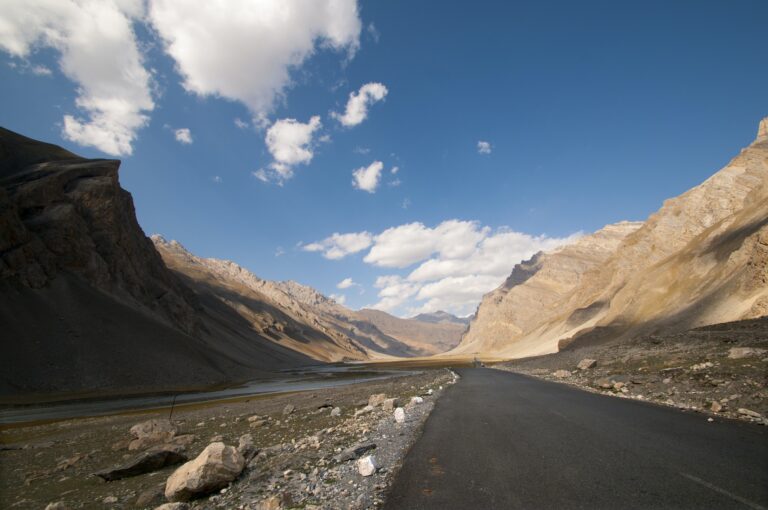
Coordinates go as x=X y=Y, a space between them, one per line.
x=700 y=259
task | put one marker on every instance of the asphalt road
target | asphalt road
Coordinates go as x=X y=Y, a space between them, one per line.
x=498 y=440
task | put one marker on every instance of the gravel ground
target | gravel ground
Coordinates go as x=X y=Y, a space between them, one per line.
x=295 y=466
x=694 y=370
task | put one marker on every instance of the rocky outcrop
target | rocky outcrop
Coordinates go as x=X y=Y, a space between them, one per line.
x=300 y=317
x=701 y=259
x=214 y=468
x=533 y=293
x=146 y=462
x=86 y=302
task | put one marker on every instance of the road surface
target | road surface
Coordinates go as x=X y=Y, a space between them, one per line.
x=498 y=440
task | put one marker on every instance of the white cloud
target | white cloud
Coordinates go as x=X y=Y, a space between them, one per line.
x=346 y=283
x=394 y=170
x=245 y=50
x=97 y=49
x=183 y=135
x=407 y=244
x=217 y=179
x=40 y=70
x=261 y=175
x=361 y=150
x=484 y=147
x=373 y=32
x=279 y=251
x=394 y=291
x=456 y=263
x=339 y=246
x=358 y=103
x=240 y=123
x=367 y=178
x=290 y=143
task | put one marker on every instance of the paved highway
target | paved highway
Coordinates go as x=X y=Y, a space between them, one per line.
x=498 y=440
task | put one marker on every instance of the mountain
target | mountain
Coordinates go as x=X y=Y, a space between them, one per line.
x=86 y=302
x=429 y=337
x=441 y=317
x=700 y=259
x=286 y=313
x=89 y=305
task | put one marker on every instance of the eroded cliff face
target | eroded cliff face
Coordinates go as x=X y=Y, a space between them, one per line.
x=292 y=314
x=71 y=215
x=534 y=292
x=86 y=302
x=701 y=259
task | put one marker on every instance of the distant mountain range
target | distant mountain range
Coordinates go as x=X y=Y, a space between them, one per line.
x=701 y=259
x=442 y=317
x=90 y=305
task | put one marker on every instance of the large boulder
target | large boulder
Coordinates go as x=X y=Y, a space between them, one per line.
x=213 y=469
x=376 y=399
x=586 y=364
x=745 y=352
x=390 y=404
x=151 y=432
x=146 y=462
x=367 y=465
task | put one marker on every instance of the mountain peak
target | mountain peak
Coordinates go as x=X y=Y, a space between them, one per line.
x=762 y=130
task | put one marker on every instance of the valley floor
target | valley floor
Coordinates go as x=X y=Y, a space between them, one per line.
x=296 y=440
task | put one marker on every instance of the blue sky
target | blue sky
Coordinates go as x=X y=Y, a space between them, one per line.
x=594 y=112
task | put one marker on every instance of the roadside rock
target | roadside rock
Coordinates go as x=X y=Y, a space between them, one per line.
x=749 y=412
x=400 y=415
x=173 y=506
x=146 y=462
x=153 y=496
x=354 y=452
x=745 y=352
x=417 y=400
x=586 y=364
x=271 y=503
x=246 y=448
x=151 y=432
x=289 y=409
x=58 y=505
x=561 y=374
x=390 y=404
x=716 y=407
x=335 y=412
x=367 y=465
x=604 y=383
x=377 y=399
x=213 y=469
x=364 y=410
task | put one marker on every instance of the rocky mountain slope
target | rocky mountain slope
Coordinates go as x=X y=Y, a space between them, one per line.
x=287 y=313
x=429 y=334
x=86 y=302
x=701 y=259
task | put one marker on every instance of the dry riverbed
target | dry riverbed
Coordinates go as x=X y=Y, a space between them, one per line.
x=297 y=450
x=721 y=370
